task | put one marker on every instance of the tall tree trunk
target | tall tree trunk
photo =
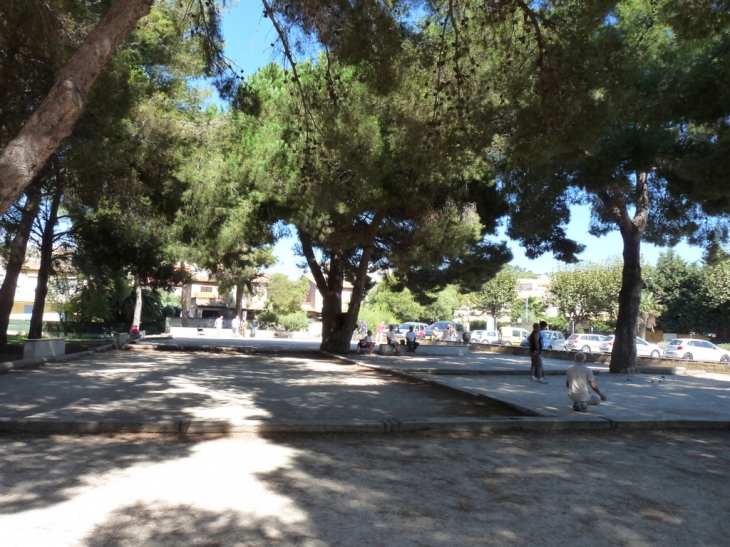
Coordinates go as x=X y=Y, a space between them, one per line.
x=623 y=355
x=330 y=288
x=337 y=327
x=239 y=300
x=41 y=289
x=185 y=299
x=137 y=319
x=17 y=257
x=23 y=157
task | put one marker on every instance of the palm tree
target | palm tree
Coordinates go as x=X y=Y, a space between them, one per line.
x=649 y=311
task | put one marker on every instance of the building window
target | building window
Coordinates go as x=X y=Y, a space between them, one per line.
x=206 y=288
x=28 y=308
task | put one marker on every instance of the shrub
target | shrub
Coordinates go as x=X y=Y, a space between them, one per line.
x=268 y=320
x=477 y=325
x=294 y=321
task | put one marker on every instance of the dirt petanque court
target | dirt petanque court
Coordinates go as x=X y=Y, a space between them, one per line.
x=254 y=485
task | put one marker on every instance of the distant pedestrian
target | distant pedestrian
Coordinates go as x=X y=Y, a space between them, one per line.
x=578 y=379
x=219 y=325
x=254 y=325
x=411 y=340
x=392 y=341
x=535 y=339
x=235 y=326
x=380 y=329
x=135 y=333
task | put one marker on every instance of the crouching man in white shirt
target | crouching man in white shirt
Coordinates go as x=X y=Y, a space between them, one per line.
x=578 y=380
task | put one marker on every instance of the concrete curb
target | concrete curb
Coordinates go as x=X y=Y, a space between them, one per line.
x=359 y=427
x=668 y=425
x=385 y=426
x=21 y=364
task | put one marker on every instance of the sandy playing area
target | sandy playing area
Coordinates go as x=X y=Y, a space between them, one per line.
x=612 y=488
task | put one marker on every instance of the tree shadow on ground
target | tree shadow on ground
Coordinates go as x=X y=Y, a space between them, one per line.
x=158 y=524
x=445 y=491
x=38 y=472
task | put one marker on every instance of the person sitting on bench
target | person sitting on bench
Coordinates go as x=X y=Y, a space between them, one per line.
x=411 y=340
x=135 y=333
x=392 y=341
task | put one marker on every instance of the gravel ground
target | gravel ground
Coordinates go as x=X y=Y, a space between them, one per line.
x=612 y=488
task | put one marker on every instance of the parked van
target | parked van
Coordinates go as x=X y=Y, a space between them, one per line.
x=512 y=336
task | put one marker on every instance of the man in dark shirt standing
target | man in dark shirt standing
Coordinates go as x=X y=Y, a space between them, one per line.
x=536 y=372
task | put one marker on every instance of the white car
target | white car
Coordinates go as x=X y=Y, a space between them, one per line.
x=418 y=328
x=484 y=337
x=587 y=343
x=697 y=350
x=643 y=348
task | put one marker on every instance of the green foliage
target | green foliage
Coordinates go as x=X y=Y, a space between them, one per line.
x=530 y=311
x=169 y=298
x=89 y=304
x=294 y=321
x=286 y=296
x=586 y=292
x=477 y=325
x=601 y=326
x=446 y=302
x=374 y=315
x=692 y=298
x=496 y=296
x=268 y=319
x=389 y=305
x=559 y=323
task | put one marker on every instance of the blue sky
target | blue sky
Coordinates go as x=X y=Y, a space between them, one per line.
x=248 y=38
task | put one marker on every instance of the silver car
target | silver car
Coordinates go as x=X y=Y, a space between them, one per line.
x=697 y=350
x=587 y=343
x=643 y=348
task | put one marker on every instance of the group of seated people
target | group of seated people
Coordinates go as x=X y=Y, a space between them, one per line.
x=368 y=344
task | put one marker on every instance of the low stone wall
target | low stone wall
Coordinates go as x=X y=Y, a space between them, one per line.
x=205 y=332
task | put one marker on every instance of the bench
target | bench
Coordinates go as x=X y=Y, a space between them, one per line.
x=387 y=349
x=443 y=349
x=44 y=347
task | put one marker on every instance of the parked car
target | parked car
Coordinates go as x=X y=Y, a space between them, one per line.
x=418 y=328
x=587 y=343
x=551 y=339
x=442 y=326
x=697 y=350
x=484 y=337
x=643 y=348
x=512 y=336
